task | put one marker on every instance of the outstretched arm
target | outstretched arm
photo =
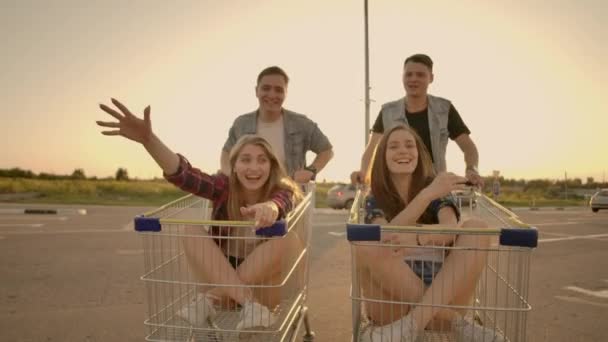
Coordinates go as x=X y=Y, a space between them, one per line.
x=140 y=130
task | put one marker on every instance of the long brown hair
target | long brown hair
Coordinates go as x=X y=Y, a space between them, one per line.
x=277 y=180
x=382 y=185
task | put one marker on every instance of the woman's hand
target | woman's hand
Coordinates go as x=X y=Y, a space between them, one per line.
x=443 y=184
x=264 y=214
x=402 y=243
x=129 y=125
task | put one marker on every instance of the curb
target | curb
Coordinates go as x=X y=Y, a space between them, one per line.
x=36 y=211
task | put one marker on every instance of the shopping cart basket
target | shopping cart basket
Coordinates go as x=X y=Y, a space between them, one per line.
x=496 y=308
x=177 y=240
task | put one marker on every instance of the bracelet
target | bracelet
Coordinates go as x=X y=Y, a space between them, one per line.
x=312 y=169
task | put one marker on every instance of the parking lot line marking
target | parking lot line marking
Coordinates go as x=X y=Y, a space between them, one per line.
x=561 y=223
x=336 y=234
x=130 y=251
x=37 y=218
x=72 y=231
x=31 y=225
x=556 y=234
x=574 y=237
x=581 y=301
x=329 y=224
x=599 y=294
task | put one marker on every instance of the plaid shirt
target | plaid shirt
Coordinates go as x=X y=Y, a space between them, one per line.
x=215 y=188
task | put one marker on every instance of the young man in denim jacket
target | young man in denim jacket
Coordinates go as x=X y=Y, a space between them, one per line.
x=290 y=134
x=434 y=118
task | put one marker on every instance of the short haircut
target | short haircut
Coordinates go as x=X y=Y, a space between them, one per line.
x=420 y=58
x=273 y=70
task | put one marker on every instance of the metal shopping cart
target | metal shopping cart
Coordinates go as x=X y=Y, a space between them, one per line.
x=183 y=305
x=498 y=256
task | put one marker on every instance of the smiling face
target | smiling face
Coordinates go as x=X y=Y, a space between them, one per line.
x=416 y=79
x=270 y=92
x=401 y=152
x=252 y=167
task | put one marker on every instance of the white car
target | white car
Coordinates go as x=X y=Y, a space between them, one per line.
x=341 y=196
x=599 y=200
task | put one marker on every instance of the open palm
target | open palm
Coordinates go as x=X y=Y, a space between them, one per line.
x=128 y=125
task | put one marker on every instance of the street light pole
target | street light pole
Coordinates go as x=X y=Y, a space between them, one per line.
x=367 y=100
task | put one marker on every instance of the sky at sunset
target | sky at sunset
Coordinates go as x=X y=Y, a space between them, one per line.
x=529 y=78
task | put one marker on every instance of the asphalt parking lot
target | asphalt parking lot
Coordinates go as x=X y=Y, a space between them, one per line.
x=74 y=277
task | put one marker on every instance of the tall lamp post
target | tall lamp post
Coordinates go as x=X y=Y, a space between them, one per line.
x=367 y=100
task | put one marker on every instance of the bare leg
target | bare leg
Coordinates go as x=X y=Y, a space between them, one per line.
x=457 y=279
x=267 y=264
x=390 y=279
x=209 y=264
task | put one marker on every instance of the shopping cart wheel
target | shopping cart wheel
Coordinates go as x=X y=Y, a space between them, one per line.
x=309 y=336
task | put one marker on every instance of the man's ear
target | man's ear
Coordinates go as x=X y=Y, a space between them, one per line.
x=432 y=77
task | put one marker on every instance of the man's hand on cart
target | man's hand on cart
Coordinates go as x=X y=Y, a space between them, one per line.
x=303 y=176
x=264 y=214
x=128 y=125
x=356 y=177
x=473 y=176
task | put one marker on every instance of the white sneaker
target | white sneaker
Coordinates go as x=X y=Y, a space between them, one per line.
x=468 y=331
x=255 y=315
x=403 y=330
x=199 y=311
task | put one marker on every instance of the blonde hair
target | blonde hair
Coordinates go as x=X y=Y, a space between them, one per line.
x=277 y=179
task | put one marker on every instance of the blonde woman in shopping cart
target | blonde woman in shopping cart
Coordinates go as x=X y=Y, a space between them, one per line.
x=405 y=192
x=258 y=188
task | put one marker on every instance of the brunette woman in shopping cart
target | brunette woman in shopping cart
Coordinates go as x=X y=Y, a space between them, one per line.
x=406 y=192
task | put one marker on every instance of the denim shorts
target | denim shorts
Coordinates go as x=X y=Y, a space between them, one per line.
x=234 y=261
x=425 y=269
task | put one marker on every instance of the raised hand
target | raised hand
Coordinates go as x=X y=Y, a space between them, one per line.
x=128 y=125
x=264 y=214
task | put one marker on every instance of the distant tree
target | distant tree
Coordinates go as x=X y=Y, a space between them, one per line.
x=122 y=174
x=78 y=174
x=17 y=173
x=47 y=176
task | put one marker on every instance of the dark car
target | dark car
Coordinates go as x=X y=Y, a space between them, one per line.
x=341 y=196
x=599 y=200
x=464 y=198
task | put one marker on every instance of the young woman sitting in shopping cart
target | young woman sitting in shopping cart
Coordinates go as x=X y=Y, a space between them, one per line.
x=258 y=188
x=406 y=192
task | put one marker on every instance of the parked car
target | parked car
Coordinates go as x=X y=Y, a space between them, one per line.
x=599 y=200
x=341 y=196
x=464 y=199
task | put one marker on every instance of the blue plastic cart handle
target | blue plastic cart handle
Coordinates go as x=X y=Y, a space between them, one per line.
x=278 y=228
x=520 y=237
x=147 y=224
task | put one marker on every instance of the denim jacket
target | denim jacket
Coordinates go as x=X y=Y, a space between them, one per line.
x=393 y=113
x=301 y=135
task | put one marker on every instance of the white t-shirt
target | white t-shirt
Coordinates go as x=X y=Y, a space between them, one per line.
x=274 y=133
